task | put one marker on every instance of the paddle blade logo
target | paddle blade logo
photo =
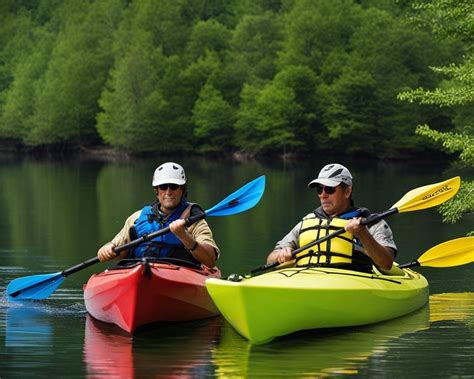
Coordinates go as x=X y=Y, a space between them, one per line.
x=438 y=192
x=241 y=200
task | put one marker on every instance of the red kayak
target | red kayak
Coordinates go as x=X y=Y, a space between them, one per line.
x=150 y=291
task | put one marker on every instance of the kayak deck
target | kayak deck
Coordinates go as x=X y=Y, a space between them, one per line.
x=149 y=292
x=292 y=299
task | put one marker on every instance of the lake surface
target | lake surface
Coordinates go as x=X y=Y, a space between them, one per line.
x=57 y=214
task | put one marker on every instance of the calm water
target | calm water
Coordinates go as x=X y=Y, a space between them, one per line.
x=56 y=214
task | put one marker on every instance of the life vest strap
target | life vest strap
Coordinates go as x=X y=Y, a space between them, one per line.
x=318 y=227
x=319 y=254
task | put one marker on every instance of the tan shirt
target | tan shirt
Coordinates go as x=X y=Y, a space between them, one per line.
x=200 y=231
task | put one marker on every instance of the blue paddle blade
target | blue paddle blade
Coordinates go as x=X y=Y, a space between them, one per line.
x=241 y=200
x=34 y=287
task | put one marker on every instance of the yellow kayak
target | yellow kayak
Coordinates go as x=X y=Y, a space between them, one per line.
x=284 y=301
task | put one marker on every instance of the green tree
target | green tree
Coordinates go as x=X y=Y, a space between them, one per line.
x=67 y=95
x=266 y=119
x=60 y=62
x=451 y=19
x=143 y=104
x=252 y=54
x=23 y=60
x=203 y=55
x=207 y=36
x=361 y=110
x=313 y=29
x=349 y=105
x=214 y=118
x=158 y=75
x=134 y=107
x=305 y=125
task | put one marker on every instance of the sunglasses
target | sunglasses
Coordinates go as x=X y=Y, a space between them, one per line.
x=171 y=186
x=328 y=190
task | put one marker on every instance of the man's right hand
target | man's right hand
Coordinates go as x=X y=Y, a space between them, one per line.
x=280 y=255
x=106 y=252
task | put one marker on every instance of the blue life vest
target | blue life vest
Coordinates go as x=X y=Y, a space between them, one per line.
x=151 y=221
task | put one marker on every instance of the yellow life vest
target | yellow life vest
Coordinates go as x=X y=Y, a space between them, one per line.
x=337 y=250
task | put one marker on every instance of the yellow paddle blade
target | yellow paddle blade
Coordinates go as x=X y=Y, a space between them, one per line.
x=456 y=252
x=428 y=196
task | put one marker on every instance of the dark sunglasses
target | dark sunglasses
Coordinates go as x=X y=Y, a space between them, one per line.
x=171 y=186
x=328 y=190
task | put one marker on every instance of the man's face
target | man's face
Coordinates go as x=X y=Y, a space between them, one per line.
x=336 y=202
x=169 y=196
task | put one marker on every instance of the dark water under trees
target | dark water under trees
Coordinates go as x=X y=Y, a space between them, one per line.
x=56 y=214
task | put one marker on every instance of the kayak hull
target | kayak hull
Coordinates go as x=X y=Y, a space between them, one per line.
x=293 y=299
x=149 y=292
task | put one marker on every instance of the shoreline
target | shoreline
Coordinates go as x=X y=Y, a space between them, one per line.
x=12 y=150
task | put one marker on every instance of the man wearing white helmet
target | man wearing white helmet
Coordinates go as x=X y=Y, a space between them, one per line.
x=194 y=243
x=357 y=248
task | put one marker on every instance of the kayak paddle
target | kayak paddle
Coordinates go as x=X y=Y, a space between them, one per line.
x=414 y=200
x=457 y=252
x=39 y=287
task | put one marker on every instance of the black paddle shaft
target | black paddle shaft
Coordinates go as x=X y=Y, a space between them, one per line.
x=189 y=221
x=369 y=220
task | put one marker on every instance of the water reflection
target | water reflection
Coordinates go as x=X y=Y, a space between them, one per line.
x=33 y=331
x=337 y=351
x=452 y=307
x=211 y=348
x=165 y=349
x=107 y=352
x=28 y=326
x=311 y=353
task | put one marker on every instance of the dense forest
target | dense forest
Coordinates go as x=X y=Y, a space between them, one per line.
x=223 y=76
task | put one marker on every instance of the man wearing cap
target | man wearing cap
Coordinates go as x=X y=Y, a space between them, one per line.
x=194 y=243
x=357 y=248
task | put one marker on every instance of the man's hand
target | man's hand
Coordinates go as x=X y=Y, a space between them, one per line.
x=280 y=255
x=179 y=230
x=106 y=252
x=382 y=256
x=355 y=227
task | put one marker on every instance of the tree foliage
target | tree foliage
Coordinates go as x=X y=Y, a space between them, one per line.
x=451 y=19
x=262 y=77
x=214 y=119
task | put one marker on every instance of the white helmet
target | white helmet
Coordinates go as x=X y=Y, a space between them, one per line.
x=169 y=172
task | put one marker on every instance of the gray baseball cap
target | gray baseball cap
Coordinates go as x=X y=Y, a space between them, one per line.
x=332 y=175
